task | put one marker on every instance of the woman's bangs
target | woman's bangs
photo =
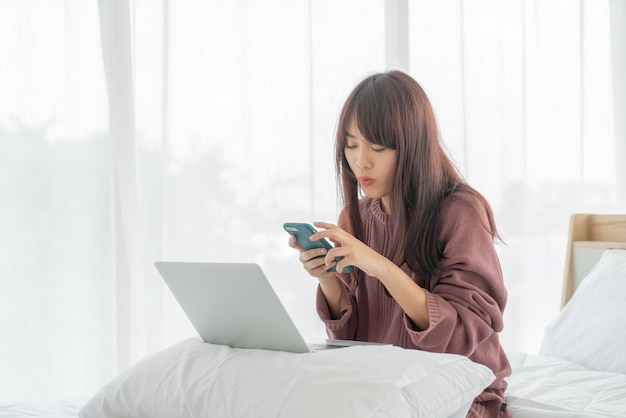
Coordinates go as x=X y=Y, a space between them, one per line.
x=370 y=109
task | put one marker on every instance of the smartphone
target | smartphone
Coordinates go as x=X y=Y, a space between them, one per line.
x=302 y=232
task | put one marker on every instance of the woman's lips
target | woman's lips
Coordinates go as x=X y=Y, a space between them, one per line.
x=366 y=181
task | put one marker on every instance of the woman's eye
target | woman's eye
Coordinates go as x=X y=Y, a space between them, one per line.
x=350 y=146
x=378 y=149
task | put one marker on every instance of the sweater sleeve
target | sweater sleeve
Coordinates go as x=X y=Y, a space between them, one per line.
x=466 y=296
x=345 y=327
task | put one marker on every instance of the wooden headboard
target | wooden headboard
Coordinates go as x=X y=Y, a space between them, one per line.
x=589 y=236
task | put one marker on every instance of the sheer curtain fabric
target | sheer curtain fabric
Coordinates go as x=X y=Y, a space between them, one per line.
x=136 y=131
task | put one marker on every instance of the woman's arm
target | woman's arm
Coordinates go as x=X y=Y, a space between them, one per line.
x=315 y=266
x=466 y=296
x=409 y=295
x=332 y=289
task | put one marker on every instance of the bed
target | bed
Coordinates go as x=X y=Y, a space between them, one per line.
x=579 y=372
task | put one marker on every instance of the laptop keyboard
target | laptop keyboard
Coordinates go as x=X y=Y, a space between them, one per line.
x=323 y=346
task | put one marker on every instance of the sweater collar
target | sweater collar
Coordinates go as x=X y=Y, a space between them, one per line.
x=377 y=211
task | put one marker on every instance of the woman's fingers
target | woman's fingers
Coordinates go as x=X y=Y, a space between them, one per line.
x=313 y=260
x=309 y=255
x=325 y=225
x=331 y=232
x=293 y=243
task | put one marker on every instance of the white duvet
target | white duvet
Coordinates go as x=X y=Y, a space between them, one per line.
x=542 y=386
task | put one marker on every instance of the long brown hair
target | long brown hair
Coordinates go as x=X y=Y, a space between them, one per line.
x=392 y=110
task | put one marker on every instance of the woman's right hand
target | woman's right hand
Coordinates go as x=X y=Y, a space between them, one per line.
x=313 y=261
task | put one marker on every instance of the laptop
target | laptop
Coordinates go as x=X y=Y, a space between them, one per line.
x=234 y=304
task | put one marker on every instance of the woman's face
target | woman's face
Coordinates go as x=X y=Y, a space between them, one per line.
x=373 y=165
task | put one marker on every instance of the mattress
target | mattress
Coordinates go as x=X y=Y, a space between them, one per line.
x=542 y=386
x=56 y=408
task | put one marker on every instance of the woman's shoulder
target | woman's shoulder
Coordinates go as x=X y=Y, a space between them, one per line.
x=462 y=198
x=463 y=205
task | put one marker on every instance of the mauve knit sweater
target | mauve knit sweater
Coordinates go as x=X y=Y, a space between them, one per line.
x=466 y=296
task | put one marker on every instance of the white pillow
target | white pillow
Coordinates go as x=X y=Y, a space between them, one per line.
x=193 y=379
x=591 y=328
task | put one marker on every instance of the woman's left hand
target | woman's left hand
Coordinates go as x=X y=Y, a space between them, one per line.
x=354 y=252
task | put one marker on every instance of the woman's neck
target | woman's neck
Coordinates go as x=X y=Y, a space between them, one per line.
x=385 y=205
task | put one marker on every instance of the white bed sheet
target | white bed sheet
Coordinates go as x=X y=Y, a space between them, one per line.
x=53 y=408
x=542 y=386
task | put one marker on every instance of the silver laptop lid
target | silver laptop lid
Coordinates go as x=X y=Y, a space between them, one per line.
x=232 y=304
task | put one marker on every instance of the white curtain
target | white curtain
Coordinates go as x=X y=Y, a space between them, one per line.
x=524 y=93
x=136 y=131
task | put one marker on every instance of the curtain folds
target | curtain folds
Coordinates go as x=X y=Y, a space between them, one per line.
x=617 y=12
x=137 y=131
x=115 y=33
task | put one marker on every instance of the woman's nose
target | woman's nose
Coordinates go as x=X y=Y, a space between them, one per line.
x=363 y=160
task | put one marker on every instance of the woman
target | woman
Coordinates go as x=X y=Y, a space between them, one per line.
x=426 y=275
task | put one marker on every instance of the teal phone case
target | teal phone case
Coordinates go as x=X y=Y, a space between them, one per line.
x=302 y=232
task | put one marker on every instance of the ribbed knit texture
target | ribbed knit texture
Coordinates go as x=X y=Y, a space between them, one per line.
x=466 y=296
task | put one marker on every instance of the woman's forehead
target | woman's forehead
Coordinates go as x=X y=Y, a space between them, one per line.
x=354 y=131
